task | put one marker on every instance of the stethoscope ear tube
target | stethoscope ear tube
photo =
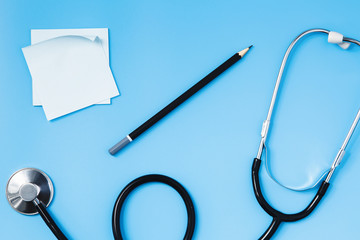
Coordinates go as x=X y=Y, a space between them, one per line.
x=279 y=217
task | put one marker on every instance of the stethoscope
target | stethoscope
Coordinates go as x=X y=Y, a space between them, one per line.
x=30 y=191
x=279 y=217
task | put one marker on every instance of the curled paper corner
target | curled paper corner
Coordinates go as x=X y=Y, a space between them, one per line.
x=67 y=38
x=92 y=38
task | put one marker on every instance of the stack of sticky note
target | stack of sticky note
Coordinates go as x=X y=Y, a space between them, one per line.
x=69 y=69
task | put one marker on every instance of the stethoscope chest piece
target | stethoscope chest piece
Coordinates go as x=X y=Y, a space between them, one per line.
x=26 y=186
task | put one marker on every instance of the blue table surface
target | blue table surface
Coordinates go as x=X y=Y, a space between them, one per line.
x=158 y=49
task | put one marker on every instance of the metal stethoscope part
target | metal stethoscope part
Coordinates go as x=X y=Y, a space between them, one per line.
x=279 y=217
x=29 y=191
x=26 y=187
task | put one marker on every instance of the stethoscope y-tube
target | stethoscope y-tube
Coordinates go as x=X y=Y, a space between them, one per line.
x=279 y=217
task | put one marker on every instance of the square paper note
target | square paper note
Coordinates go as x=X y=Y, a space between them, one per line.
x=70 y=73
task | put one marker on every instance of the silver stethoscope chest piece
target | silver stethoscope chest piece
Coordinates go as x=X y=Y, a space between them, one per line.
x=26 y=186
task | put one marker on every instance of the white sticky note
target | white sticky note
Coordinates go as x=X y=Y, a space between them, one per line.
x=70 y=73
x=39 y=35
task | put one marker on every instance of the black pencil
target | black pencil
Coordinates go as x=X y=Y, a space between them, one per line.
x=182 y=98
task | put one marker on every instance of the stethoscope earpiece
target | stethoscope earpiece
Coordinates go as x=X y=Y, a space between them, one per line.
x=27 y=186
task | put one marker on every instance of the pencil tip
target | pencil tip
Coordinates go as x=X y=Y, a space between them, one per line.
x=243 y=52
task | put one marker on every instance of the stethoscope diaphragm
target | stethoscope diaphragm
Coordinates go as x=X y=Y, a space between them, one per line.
x=25 y=186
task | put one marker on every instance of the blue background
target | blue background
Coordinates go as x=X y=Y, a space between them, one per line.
x=158 y=49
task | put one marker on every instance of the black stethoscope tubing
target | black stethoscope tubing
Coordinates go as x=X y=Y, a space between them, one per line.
x=116 y=216
x=116 y=219
x=279 y=217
